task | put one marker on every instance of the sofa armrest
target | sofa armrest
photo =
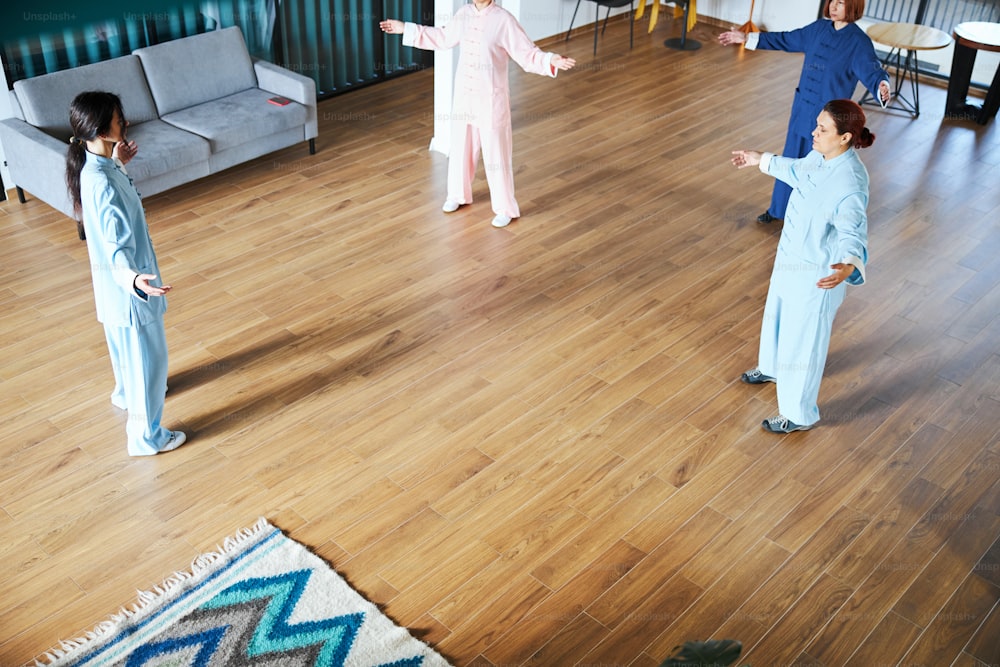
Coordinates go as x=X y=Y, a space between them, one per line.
x=296 y=87
x=37 y=162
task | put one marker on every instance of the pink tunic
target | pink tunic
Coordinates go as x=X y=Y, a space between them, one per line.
x=487 y=39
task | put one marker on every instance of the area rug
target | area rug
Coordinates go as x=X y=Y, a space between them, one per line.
x=260 y=599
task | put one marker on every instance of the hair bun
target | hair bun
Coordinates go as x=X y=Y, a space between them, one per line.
x=866 y=139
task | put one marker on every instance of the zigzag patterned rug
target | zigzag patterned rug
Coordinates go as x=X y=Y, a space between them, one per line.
x=261 y=599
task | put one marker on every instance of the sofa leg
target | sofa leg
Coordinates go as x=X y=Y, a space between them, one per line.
x=20 y=194
x=312 y=146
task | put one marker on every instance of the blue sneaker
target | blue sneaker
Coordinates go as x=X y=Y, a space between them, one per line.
x=756 y=377
x=781 y=424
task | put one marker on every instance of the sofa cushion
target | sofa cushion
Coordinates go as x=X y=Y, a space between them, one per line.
x=163 y=148
x=238 y=118
x=45 y=99
x=196 y=69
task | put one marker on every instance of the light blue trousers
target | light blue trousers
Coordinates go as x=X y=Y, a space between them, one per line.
x=795 y=335
x=139 y=360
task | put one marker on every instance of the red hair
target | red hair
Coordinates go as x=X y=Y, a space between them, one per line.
x=849 y=117
x=853 y=10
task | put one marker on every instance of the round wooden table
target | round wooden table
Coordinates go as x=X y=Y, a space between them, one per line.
x=969 y=39
x=912 y=37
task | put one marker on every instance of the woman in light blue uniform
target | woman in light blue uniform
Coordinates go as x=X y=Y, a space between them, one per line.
x=826 y=227
x=838 y=54
x=127 y=289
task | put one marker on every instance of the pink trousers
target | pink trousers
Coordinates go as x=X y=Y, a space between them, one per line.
x=496 y=145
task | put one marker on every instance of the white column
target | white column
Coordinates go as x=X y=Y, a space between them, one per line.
x=444 y=79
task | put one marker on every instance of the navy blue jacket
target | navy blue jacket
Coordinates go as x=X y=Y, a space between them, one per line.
x=836 y=60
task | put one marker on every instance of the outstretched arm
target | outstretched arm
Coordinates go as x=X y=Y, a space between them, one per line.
x=391 y=26
x=143 y=283
x=746 y=158
x=562 y=62
x=784 y=169
x=515 y=41
x=793 y=41
x=426 y=37
x=869 y=71
x=732 y=36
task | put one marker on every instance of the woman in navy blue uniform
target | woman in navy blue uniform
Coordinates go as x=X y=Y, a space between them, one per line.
x=838 y=54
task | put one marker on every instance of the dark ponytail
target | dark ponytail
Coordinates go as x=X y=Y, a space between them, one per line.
x=75 y=157
x=90 y=115
x=849 y=117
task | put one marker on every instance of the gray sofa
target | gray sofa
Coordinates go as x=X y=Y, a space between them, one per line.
x=195 y=106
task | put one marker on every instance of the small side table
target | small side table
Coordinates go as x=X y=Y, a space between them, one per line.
x=689 y=8
x=912 y=37
x=683 y=43
x=970 y=38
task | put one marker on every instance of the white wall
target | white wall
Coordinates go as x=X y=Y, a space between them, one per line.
x=775 y=15
x=544 y=18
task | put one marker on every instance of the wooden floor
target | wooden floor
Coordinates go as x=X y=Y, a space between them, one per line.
x=530 y=445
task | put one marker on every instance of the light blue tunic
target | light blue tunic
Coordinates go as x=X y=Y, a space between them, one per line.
x=826 y=223
x=119 y=245
x=120 y=249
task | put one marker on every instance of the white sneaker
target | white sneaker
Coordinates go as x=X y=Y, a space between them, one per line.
x=501 y=221
x=177 y=438
x=450 y=206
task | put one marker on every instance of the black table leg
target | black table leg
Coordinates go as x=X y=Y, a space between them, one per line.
x=962 y=62
x=683 y=44
x=992 y=103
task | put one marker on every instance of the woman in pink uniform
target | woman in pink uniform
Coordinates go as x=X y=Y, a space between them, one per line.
x=487 y=36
